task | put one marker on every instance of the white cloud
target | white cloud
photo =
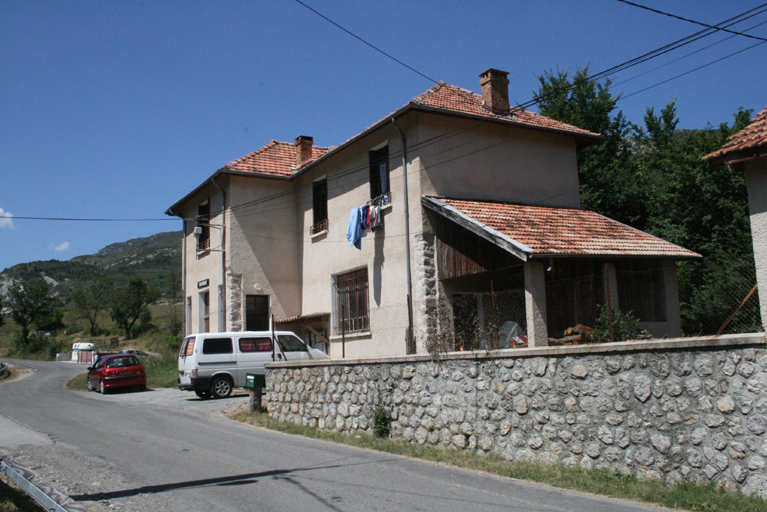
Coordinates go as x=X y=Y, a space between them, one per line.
x=6 y=220
x=60 y=247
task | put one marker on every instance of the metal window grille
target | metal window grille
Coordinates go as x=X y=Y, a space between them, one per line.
x=351 y=304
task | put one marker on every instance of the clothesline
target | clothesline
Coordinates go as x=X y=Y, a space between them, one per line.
x=365 y=218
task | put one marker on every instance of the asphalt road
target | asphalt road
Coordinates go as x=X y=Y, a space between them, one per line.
x=168 y=450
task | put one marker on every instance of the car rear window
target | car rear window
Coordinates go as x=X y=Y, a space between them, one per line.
x=121 y=362
x=217 y=346
x=255 y=345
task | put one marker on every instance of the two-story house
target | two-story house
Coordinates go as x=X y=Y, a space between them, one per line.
x=470 y=222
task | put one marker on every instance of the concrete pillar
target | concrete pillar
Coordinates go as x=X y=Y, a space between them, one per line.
x=673 y=316
x=612 y=281
x=535 y=304
x=756 y=179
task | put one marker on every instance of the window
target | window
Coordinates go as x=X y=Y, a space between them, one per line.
x=205 y=298
x=255 y=344
x=290 y=343
x=379 y=172
x=351 y=302
x=203 y=219
x=320 y=208
x=122 y=362
x=257 y=313
x=217 y=346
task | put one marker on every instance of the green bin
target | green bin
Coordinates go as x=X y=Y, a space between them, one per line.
x=254 y=380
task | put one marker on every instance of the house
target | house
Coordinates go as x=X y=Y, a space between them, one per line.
x=747 y=151
x=483 y=241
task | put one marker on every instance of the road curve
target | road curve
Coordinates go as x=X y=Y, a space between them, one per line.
x=168 y=450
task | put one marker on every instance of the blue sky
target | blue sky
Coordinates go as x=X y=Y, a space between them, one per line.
x=119 y=109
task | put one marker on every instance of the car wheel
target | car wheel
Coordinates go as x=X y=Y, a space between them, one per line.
x=89 y=385
x=221 y=387
x=204 y=394
x=102 y=389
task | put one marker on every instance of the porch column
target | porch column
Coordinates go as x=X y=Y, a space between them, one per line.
x=612 y=276
x=535 y=304
x=673 y=316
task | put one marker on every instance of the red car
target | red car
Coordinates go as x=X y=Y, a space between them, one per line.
x=116 y=371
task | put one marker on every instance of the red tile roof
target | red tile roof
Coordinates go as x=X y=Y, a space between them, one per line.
x=276 y=158
x=565 y=231
x=748 y=143
x=456 y=99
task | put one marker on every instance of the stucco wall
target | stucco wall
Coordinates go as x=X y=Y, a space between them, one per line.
x=756 y=178
x=671 y=410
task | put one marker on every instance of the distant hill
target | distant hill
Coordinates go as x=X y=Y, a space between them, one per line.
x=157 y=259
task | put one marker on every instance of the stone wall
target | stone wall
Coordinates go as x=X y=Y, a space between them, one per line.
x=671 y=410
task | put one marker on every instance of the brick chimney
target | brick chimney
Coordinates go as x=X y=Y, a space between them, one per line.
x=495 y=90
x=303 y=150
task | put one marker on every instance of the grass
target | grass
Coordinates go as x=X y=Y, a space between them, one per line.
x=13 y=499
x=612 y=484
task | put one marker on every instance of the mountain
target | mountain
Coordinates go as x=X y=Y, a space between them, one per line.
x=157 y=259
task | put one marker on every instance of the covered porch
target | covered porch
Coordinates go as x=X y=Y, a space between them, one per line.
x=515 y=275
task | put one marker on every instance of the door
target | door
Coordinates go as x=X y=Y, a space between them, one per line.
x=257 y=313
x=252 y=354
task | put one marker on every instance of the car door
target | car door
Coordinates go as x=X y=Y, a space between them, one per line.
x=252 y=353
x=94 y=375
x=293 y=348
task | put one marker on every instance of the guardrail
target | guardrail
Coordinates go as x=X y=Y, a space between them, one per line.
x=3 y=370
x=41 y=491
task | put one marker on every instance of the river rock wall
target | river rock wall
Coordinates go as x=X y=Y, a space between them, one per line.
x=677 y=410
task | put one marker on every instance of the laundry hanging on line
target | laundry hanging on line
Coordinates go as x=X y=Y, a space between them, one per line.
x=362 y=220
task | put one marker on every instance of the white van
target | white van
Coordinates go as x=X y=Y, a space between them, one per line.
x=212 y=364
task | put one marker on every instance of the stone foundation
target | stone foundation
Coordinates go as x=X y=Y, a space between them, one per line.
x=674 y=410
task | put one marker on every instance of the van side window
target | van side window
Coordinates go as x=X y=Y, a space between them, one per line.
x=255 y=345
x=217 y=346
x=291 y=343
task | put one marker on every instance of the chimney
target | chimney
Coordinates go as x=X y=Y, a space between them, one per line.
x=303 y=150
x=495 y=90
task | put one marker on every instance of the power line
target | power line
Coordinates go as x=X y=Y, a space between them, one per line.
x=689 y=20
x=368 y=44
x=72 y=219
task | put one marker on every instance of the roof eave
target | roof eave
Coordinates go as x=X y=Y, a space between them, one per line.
x=208 y=181
x=675 y=257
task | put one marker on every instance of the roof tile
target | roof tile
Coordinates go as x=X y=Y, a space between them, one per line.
x=748 y=142
x=276 y=158
x=566 y=231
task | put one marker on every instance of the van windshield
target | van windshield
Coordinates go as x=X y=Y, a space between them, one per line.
x=290 y=343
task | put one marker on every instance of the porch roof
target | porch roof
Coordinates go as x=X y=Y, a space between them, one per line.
x=532 y=231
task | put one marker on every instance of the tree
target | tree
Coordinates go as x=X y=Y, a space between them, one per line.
x=607 y=183
x=32 y=304
x=93 y=300
x=130 y=303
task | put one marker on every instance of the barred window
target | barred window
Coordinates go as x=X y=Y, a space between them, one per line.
x=350 y=306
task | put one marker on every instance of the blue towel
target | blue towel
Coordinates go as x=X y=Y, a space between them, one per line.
x=354 y=233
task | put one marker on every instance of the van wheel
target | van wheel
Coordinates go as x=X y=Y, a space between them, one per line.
x=204 y=394
x=221 y=387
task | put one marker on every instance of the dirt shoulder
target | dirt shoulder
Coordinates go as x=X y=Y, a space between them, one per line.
x=16 y=372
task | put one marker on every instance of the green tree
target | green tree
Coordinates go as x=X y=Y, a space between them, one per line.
x=33 y=304
x=129 y=304
x=93 y=300
x=607 y=182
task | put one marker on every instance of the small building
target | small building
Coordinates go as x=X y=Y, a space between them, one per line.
x=457 y=214
x=747 y=151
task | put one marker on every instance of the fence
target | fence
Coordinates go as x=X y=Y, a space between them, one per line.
x=712 y=300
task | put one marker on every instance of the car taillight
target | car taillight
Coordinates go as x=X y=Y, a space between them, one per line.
x=194 y=373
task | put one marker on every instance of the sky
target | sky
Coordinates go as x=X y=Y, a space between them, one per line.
x=116 y=110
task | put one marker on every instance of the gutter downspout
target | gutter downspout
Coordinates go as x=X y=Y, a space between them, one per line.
x=410 y=344
x=223 y=249
x=187 y=321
